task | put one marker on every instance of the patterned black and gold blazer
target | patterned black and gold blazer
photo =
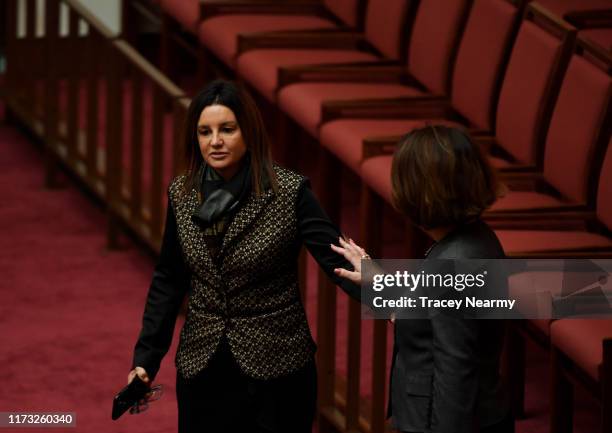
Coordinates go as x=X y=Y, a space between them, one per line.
x=251 y=293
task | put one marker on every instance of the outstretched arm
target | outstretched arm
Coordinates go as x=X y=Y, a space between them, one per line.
x=317 y=232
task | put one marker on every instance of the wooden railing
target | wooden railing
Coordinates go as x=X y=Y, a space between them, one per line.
x=103 y=111
x=113 y=120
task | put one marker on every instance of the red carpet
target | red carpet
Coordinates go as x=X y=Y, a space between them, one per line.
x=71 y=310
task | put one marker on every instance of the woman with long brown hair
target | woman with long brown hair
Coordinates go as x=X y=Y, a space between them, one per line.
x=234 y=228
x=445 y=375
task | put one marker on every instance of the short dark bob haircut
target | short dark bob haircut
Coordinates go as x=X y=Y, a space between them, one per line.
x=236 y=98
x=440 y=178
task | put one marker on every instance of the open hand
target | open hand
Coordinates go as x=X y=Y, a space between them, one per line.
x=354 y=254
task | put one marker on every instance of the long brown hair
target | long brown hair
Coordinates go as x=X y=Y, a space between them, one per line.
x=441 y=178
x=237 y=99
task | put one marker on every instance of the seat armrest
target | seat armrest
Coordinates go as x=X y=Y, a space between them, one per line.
x=526 y=180
x=377 y=146
x=571 y=217
x=385 y=71
x=341 y=40
x=210 y=8
x=420 y=107
x=590 y=19
x=490 y=146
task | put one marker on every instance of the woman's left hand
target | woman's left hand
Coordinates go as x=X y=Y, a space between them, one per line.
x=353 y=253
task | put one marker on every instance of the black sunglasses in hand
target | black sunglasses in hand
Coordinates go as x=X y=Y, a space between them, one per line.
x=135 y=397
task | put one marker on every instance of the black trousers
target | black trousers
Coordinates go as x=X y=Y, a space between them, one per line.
x=222 y=399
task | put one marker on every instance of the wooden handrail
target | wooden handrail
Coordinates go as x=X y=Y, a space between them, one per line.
x=87 y=136
x=150 y=71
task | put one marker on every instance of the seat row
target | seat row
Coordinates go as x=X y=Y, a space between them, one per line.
x=534 y=89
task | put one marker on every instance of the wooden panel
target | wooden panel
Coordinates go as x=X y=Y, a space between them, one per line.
x=27 y=50
x=157 y=166
x=73 y=79
x=51 y=91
x=379 y=376
x=353 y=375
x=181 y=105
x=113 y=172
x=136 y=149
x=371 y=216
x=11 y=45
x=91 y=153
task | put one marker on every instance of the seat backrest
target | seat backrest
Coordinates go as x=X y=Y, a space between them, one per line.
x=481 y=58
x=433 y=41
x=346 y=10
x=531 y=83
x=385 y=23
x=579 y=128
x=604 y=203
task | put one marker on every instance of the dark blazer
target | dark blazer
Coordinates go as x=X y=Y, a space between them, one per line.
x=445 y=373
x=247 y=293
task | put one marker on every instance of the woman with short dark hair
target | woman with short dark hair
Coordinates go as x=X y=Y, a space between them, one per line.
x=234 y=228
x=440 y=178
x=445 y=375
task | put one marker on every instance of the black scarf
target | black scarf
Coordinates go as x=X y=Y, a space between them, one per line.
x=221 y=198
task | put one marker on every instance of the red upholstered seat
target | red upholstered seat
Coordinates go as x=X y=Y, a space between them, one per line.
x=383 y=30
x=260 y=67
x=483 y=13
x=480 y=60
x=344 y=138
x=186 y=12
x=601 y=37
x=575 y=127
x=524 y=91
x=434 y=36
x=516 y=242
x=574 y=130
x=303 y=101
x=581 y=340
x=220 y=33
x=376 y=172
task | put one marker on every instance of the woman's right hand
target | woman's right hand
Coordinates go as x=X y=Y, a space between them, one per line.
x=141 y=372
x=353 y=253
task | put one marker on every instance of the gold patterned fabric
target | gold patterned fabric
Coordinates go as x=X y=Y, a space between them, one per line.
x=250 y=294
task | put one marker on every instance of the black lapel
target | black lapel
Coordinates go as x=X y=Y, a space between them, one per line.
x=198 y=234
x=245 y=216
